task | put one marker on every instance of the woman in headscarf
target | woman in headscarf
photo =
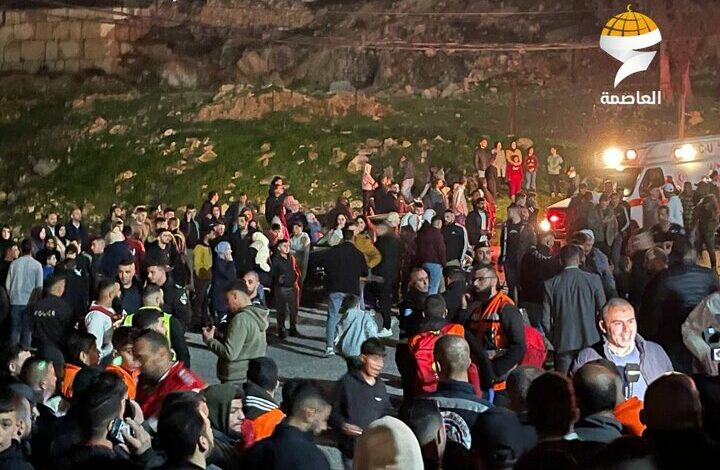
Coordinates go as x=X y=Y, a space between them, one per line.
x=233 y=433
x=260 y=249
x=37 y=235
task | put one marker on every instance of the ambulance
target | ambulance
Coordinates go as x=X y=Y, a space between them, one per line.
x=639 y=168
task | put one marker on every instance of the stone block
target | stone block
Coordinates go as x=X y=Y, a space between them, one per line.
x=31 y=66
x=107 y=30
x=90 y=30
x=44 y=31
x=95 y=49
x=57 y=15
x=6 y=34
x=75 y=30
x=24 y=31
x=12 y=17
x=69 y=49
x=32 y=50
x=59 y=65
x=12 y=52
x=51 y=51
x=72 y=65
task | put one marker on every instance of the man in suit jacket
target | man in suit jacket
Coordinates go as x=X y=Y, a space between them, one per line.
x=572 y=300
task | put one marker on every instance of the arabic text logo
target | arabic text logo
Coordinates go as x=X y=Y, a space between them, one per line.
x=623 y=35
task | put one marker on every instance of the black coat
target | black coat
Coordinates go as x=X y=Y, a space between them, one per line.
x=500 y=437
x=453 y=299
x=389 y=267
x=359 y=403
x=288 y=448
x=242 y=256
x=176 y=303
x=13 y=458
x=52 y=321
x=598 y=428
x=537 y=266
x=344 y=266
x=77 y=234
x=667 y=304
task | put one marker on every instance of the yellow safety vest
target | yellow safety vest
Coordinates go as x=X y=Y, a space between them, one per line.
x=166 y=325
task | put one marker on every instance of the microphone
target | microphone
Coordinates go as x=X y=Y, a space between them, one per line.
x=632 y=375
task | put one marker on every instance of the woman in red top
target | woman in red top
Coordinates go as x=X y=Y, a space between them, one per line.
x=531 y=166
x=515 y=173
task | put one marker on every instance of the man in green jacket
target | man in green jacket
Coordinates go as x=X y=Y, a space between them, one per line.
x=244 y=339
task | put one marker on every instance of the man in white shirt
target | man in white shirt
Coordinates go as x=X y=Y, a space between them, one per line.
x=104 y=313
x=674 y=205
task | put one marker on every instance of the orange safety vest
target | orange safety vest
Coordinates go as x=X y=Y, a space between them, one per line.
x=486 y=327
x=264 y=425
x=129 y=377
x=71 y=371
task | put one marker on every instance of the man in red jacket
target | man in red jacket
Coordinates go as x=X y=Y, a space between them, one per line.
x=159 y=376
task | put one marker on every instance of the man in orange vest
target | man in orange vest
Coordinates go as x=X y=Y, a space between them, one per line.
x=82 y=352
x=498 y=325
x=260 y=405
x=124 y=363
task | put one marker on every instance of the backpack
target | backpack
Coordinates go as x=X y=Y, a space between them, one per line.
x=535 y=350
x=421 y=348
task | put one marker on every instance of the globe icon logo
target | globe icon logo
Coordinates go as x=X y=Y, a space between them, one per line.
x=623 y=35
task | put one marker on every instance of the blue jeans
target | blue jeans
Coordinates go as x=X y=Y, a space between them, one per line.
x=434 y=271
x=530 y=180
x=335 y=300
x=20 y=325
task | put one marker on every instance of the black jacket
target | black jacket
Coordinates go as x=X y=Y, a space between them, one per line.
x=453 y=299
x=176 y=302
x=13 y=458
x=52 y=321
x=344 y=266
x=477 y=223
x=454 y=237
x=289 y=448
x=191 y=231
x=283 y=273
x=87 y=458
x=513 y=325
x=273 y=205
x=77 y=234
x=500 y=437
x=77 y=290
x=389 y=267
x=410 y=312
x=598 y=428
x=359 y=403
x=515 y=241
x=257 y=401
x=131 y=297
x=537 y=266
x=242 y=256
x=667 y=305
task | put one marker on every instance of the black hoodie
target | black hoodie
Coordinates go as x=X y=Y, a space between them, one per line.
x=14 y=459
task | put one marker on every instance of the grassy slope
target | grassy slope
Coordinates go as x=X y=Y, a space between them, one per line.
x=42 y=124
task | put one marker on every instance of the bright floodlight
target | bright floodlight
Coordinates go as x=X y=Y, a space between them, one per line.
x=545 y=225
x=685 y=152
x=612 y=157
x=631 y=154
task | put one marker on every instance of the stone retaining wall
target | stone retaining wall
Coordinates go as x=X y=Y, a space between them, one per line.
x=69 y=40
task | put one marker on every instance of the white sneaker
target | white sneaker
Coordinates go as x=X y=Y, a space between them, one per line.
x=385 y=333
x=329 y=352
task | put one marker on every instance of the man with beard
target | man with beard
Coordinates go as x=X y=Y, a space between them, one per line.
x=240 y=241
x=483 y=253
x=499 y=327
x=130 y=290
x=478 y=222
x=511 y=241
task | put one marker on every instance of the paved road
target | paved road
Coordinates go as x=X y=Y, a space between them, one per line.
x=302 y=358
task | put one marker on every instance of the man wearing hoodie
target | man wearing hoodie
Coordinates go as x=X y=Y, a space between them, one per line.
x=260 y=406
x=115 y=253
x=103 y=313
x=355 y=326
x=232 y=431
x=245 y=338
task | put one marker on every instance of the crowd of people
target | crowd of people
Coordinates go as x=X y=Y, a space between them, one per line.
x=597 y=351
